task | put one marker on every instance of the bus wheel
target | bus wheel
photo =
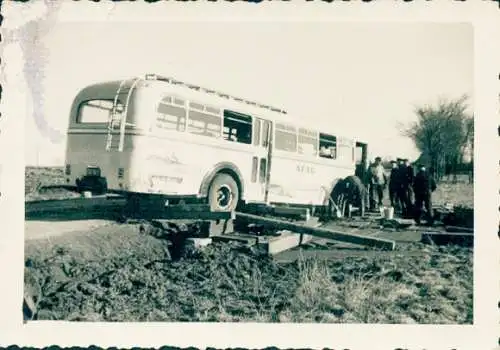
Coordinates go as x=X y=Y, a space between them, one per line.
x=349 y=191
x=223 y=194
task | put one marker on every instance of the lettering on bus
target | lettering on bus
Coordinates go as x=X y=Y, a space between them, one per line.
x=306 y=169
x=162 y=180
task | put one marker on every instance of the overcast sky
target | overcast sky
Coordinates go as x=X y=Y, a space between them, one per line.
x=362 y=77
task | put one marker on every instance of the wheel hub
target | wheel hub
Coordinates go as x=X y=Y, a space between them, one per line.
x=224 y=197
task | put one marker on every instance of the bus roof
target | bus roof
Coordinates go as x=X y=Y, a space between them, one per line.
x=216 y=98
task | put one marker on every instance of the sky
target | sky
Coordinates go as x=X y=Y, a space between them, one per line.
x=361 y=78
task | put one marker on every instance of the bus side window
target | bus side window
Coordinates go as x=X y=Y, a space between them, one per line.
x=204 y=120
x=237 y=127
x=327 y=146
x=170 y=116
x=286 y=138
x=308 y=142
x=266 y=133
x=256 y=131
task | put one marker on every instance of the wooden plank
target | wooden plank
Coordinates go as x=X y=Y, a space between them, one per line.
x=167 y=214
x=319 y=232
x=291 y=211
x=286 y=241
x=71 y=204
x=238 y=237
x=450 y=234
x=459 y=229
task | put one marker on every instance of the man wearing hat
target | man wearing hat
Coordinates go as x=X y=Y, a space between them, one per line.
x=423 y=186
x=378 y=181
x=394 y=184
x=407 y=184
x=402 y=194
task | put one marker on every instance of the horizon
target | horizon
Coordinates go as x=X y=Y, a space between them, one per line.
x=375 y=71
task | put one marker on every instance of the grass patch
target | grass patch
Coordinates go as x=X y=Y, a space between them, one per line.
x=36 y=178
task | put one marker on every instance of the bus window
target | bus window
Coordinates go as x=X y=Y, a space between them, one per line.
x=237 y=127
x=266 y=133
x=169 y=116
x=263 y=170
x=286 y=138
x=308 y=142
x=256 y=131
x=96 y=111
x=255 y=164
x=204 y=124
x=327 y=146
x=204 y=120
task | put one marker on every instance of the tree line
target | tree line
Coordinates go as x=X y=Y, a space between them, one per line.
x=444 y=134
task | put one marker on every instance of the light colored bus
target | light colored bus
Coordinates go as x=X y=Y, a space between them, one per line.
x=159 y=136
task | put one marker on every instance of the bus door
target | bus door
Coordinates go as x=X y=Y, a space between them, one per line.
x=261 y=159
x=361 y=160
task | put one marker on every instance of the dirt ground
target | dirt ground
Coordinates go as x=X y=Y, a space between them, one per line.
x=116 y=273
x=37 y=178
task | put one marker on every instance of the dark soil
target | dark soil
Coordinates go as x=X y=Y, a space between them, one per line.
x=122 y=274
x=137 y=281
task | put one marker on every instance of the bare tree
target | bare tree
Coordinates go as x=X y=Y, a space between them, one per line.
x=442 y=133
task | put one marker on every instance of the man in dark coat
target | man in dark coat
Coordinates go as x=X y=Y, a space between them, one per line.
x=394 y=184
x=407 y=186
x=423 y=186
x=401 y=189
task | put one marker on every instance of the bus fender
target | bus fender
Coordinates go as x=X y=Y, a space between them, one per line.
x=223 y=167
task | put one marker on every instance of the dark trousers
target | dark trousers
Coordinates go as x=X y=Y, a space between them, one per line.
x=423 y=200
x=405 y=194
x=376 y=190
x=393 y=197
x=403 y=199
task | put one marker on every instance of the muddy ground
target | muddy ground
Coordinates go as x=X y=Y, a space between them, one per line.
x=118 y=273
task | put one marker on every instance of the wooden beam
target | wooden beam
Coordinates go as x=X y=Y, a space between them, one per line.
x=459 y=229
x=286 y=241
x=291 y=211
x=448 y=234
x=319 y=232
x=84 y=204
x=176 y=214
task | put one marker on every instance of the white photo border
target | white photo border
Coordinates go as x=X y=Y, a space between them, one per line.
x=485 y=17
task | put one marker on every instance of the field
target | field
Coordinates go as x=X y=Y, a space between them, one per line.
x=118 y=273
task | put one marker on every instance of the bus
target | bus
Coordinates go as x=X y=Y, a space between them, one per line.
x=155 y=136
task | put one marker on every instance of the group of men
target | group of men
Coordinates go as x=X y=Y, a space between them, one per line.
x=408 y=191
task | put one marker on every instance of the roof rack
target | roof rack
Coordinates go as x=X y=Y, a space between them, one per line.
x=174 y=81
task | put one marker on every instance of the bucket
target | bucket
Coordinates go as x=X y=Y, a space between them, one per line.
x=87 y=194
x=389 y=213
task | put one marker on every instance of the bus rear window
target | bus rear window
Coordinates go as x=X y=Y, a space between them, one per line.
x=97 y=111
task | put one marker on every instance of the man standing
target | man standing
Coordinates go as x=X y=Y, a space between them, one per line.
x=394 y=184
x=401 y=192
x=423 y=186
x=378 y=180
x=407 y=184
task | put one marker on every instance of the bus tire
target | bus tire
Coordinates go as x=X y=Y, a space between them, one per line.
x=223 y=194
x=350 y=191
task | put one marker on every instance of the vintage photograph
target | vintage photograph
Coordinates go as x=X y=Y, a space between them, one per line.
x=277 y=172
